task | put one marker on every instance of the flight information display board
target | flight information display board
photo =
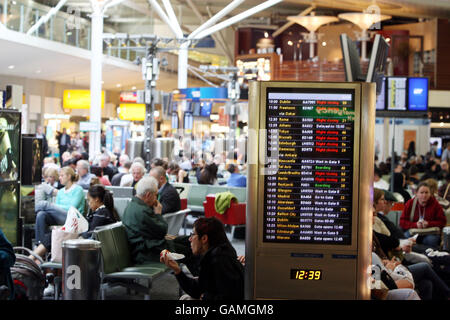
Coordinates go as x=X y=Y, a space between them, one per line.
x=396 y=93
x=309 y=171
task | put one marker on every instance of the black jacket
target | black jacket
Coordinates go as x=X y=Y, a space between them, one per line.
x=98 y=218
x=221 y=276
x=395 y=231
x=169 y=199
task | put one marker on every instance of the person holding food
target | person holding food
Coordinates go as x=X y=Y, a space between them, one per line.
x=221 y=274
x=146 y=228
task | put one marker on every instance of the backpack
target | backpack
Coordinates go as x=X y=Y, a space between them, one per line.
x=28 y=278
x=441 y=264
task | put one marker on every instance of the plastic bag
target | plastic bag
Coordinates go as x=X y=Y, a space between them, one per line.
x=58 y=236
x=75 y=222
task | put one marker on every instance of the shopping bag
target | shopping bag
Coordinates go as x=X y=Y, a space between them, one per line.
x=75 y=222
x=58 y=236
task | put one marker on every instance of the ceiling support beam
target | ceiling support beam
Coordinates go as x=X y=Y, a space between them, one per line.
x=45 y=18
x=237 y=18
x=203 y=20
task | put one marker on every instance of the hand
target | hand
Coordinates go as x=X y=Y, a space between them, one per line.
x=425 y=224
x=241 y=259
x=157 y=207
x=419 y=225
x=172 y=264
x=412 y=240
x=407 y=247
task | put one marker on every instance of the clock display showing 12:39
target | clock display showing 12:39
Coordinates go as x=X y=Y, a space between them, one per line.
x=306 y=274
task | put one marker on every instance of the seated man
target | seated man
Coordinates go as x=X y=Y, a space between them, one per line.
x=146 y=228
x=167 y=194
x=118 y=176
x=236 y=179
x=137 y=171
x=83 y=173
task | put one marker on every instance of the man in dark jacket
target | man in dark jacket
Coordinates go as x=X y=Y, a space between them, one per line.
x=221 y=275
x=146 y=228
x=167 y=194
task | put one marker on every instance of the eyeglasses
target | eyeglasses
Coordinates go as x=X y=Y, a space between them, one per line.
x=191 y=235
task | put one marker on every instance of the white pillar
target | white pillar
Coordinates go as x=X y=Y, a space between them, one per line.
x=183 y=65
x=96 y=79
x=364 y=38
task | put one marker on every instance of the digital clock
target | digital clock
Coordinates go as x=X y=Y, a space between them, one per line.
x=306 y=274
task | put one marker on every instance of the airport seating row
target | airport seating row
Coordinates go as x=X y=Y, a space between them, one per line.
x=118 y=269
x=234 y=216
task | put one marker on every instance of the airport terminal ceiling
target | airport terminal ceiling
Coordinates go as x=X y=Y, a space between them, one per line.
x=139 y=11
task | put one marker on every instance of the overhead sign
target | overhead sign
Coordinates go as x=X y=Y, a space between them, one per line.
x=79 y=99
x=128 y=96
x=132 y=111
x=207 y=93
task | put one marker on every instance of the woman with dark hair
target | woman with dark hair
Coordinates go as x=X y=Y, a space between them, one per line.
x=399 y=186
x=221 y=275
x=411 y=149
x=208 y=175
x=101 y=209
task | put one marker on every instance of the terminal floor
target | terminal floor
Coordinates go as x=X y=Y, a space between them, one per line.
x=166 y=286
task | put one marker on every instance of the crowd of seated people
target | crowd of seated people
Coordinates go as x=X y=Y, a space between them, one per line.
x=64 y=182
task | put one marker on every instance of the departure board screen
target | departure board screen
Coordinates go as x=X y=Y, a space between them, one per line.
x=309 y=168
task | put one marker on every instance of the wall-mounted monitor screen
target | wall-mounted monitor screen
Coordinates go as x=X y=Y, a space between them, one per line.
x=381 y=102
x=9 y=211
x=396 y=93
x=417 y=94
x=309 y=172
x=188 y=121
x=174 y=120
x=196 y=108
x=206 y=109
x=10 y=145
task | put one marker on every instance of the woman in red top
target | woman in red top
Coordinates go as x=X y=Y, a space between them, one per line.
x=428 y=213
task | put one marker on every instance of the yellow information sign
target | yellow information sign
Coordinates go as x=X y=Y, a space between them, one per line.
x=79 y=99
x=132 y=111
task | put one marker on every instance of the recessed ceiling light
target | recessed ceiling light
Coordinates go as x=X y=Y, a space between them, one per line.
x=118 y=85
x=11 y=67
x=38 y=71
x=133 y=88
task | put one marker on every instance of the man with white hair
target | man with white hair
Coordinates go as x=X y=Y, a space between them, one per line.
x=122 y=160
x=146 y=228
x=83 y=173
x=137 y=171
x=107 y=168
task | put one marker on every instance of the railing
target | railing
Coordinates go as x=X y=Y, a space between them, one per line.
x=68 y=28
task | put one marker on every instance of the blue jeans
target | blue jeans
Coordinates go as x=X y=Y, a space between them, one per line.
x=431 y=240
x=429 y=285
x=48 y=214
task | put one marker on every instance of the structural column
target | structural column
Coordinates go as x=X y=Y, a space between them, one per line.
x=96 y=79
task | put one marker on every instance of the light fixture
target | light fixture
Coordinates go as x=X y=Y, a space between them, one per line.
x=324 y=44
x=133 y=88
x=364 y=20
x=312 y=23
x=118 y=85
x=11 y=67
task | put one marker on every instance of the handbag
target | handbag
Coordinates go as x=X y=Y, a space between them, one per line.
x=58 y=236
x=424 y=231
